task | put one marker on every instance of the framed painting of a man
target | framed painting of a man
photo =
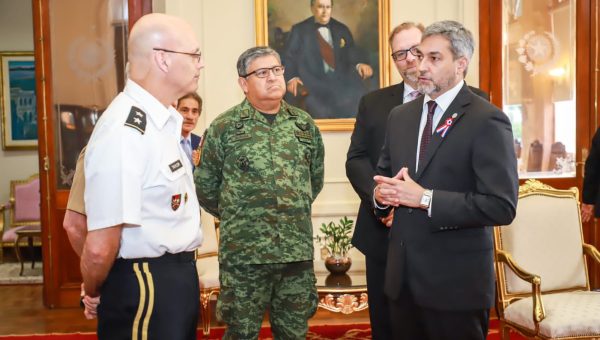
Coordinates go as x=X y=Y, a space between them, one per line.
x=18 y=101
x=334 y=51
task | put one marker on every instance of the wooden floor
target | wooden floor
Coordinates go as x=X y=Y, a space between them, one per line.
x=22 y=312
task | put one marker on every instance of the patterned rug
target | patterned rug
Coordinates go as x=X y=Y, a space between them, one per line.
x=320 y=332
x=9 y=273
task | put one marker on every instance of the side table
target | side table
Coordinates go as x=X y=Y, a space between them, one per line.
x=345 y=293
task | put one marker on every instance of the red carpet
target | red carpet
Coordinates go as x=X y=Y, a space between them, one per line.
x=345 y=332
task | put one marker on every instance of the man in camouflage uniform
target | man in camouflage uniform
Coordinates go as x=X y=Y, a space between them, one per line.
x=260 y=170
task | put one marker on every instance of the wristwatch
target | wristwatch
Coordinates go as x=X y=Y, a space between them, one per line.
x=426 y=199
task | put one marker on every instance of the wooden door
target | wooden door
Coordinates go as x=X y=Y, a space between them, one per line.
x=80 y=54
x=539 y=62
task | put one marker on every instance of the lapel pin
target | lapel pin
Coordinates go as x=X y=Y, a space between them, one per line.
x=443 y=129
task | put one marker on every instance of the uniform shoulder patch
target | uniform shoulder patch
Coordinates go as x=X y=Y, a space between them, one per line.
x=136 y=119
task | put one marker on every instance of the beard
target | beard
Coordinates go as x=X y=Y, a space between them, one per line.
x=432 y=87
x=411 y=78
x=428 y=89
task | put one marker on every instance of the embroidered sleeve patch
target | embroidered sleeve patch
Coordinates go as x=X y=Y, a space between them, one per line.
x=136 y=119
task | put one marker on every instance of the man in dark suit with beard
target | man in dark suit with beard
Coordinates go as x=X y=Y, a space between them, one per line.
x=371 y=232
x=449 y=169
x=323 y=65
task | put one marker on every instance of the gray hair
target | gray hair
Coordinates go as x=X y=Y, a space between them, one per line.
x=461 y=40
x=249 y=55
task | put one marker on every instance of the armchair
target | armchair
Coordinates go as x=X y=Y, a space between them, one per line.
x=543 y=284
x=24 y=212
x=207 y=263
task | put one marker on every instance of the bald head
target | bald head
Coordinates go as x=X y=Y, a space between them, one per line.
x=156 y=30
x=164 y=55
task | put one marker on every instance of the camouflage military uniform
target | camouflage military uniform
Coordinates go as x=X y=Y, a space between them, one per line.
x=260 y=180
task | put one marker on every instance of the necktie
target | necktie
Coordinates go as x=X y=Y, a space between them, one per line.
x=412 y=96
x=187 y=147
x=426 y=135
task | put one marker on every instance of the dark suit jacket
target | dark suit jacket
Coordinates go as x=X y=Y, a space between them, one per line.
x=195 y=140
x=446 y=260
x=591 y=180
x=371 y=236
x=332 y=95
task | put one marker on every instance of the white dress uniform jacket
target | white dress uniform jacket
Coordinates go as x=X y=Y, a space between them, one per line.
x=137 y=174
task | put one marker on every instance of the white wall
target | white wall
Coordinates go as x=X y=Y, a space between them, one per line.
x=226 y=28
x=16 y=34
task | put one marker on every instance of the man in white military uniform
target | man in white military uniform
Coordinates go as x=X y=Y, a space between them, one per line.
x=142 y=212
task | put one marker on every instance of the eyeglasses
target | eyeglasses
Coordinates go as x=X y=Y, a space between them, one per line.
x=264 y=72
x=196 y=56
x=402 y=54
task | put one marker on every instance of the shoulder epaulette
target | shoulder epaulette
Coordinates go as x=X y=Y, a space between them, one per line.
x=136 y=119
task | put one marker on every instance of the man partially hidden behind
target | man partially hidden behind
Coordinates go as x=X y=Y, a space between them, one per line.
x=324 y=66
x=371 y=233
x=261 y=168
x=190 y=107
x=143 y=216
x=448 y=167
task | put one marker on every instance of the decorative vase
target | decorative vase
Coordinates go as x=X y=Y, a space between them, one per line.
x=338 y=264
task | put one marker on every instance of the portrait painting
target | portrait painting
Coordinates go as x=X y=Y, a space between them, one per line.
x=18 y=101
x=334 y=52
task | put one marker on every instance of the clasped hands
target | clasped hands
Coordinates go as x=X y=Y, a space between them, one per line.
x=398 y=190
x=90 y=304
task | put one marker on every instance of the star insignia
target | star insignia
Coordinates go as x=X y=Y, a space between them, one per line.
x=136 y=119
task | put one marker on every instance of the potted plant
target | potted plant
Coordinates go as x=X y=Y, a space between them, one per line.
x=335 y=244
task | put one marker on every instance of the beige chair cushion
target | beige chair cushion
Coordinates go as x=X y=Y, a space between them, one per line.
x=567 y=314
x=209 y=244
x=208 y=271
x=555 y=256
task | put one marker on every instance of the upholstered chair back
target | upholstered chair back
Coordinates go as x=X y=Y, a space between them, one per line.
x=210 y=243
x=545 y=238
x=26 y=202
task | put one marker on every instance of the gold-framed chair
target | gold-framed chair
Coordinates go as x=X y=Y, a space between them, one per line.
x=207 y=263
x=24 y=212
x=541 y=266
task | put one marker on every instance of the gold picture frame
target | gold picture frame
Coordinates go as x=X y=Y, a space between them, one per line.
x=268 y=11
x=18 y=101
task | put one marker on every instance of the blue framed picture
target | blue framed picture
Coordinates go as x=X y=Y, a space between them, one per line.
x=18 y=101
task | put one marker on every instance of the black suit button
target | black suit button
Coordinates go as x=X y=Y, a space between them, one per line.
x=410 y=210
x=401 y=243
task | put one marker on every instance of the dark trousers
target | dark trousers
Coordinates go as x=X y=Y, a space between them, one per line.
x=413 y=322
x=157 y=297
x=379 y=311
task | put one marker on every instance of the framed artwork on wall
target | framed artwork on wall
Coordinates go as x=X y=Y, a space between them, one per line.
x=332 y=53
x=18 y=101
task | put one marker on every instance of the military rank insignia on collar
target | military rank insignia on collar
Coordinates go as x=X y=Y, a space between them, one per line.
x=136 y=119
